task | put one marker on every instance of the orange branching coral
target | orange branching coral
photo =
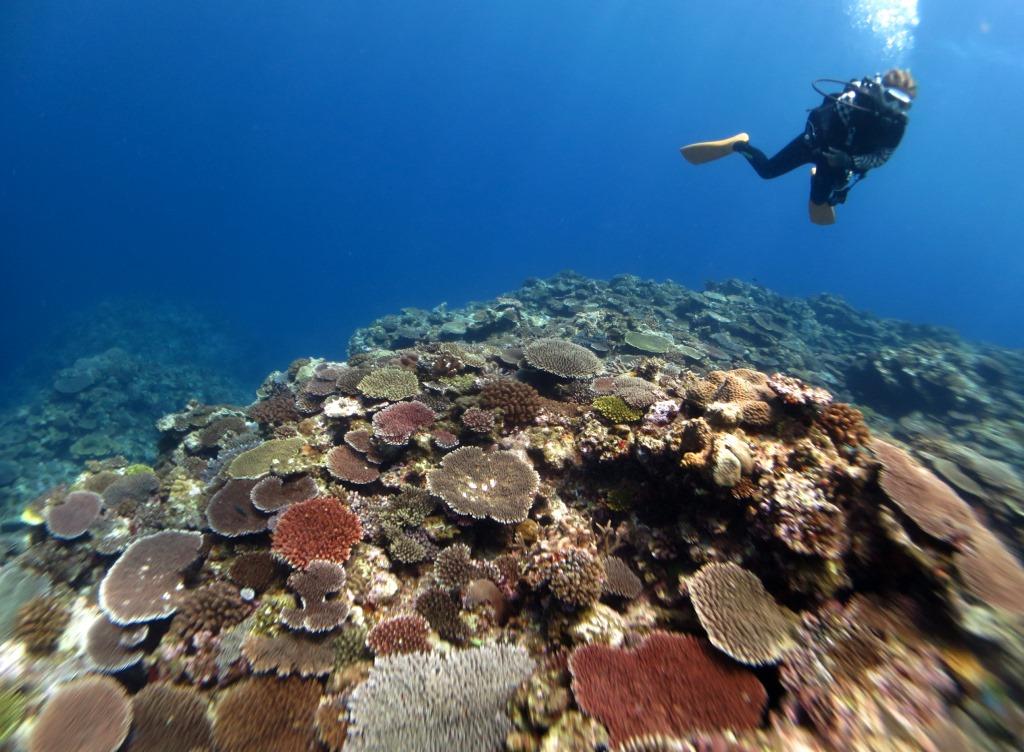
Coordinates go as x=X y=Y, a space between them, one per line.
x=316 y=529
x=671 y=684
x=740 y=617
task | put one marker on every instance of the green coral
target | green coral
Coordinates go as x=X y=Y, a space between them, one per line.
x=616 y=410
x=392 y=384
x=12 y=711
x=350 y=646
x=652 y=343
x=280 y=456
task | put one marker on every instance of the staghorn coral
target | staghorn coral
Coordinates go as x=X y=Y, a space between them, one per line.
x=925 y=499
x=169 y=719
x=316 y=585
x=344 y=464
x=211 y=609
x=391 y=384
x=497 y=485
x=396 y=423
x=741 y=618
x=230 y=511
x=72 y=517
x=671 y=684
x=454 y=567
x=437 y=702
x=578 y=578
x=145 y=582
x=276 y=409
x=561 y=358
x=262 y=713
x=92 y=714
x=316 y=529
x=406 y=633
x=477 y=420
x=518 y=402
x=620 y=579
x=111 y=648
x=438 y=608
x=285 y=654
x=39 y=623
x=272 y=494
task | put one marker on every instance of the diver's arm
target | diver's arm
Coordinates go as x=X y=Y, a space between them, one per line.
x=876 y=158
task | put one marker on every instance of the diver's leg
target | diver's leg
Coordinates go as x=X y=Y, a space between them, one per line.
x=823 y=180
x=708 y=151
x=791 y=156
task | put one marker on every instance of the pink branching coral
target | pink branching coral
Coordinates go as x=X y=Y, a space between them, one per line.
x=316 y=529
x=396 y=423
x=72 y=517
x=145 y=583
x=671 y=684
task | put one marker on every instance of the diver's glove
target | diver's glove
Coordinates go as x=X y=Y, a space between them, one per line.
x=838 y=158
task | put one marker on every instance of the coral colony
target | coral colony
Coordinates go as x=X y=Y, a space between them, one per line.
x=590 y=516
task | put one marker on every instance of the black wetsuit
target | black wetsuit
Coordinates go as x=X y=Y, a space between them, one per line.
x=859 y=122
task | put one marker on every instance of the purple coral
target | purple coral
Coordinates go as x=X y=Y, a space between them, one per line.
x=396 y=423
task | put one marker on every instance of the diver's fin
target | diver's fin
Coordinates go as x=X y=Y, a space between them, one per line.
x=821 y=214
x=707 y=151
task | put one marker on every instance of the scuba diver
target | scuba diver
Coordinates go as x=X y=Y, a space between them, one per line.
x=846 y=135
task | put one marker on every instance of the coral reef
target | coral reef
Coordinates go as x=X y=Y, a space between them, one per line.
x=92 y=714
x=452 y=542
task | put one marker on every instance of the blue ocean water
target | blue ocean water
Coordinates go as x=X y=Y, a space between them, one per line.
x=292 y=170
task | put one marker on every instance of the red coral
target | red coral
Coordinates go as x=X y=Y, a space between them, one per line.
x=316 y=529
x=672 y=684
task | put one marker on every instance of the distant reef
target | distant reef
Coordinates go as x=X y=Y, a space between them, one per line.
x=959 y=404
